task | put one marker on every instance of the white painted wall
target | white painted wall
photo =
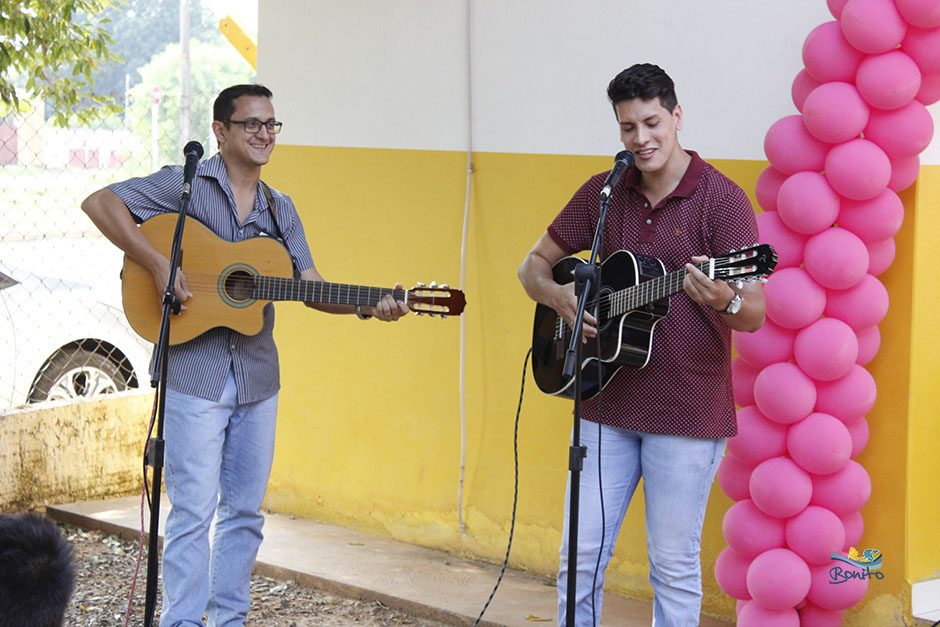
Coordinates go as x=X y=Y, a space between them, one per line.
x=393 y=74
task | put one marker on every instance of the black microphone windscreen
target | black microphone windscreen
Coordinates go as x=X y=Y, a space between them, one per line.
x=193 y=148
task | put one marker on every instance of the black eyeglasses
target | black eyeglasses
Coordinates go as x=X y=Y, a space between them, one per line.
x=254 y=126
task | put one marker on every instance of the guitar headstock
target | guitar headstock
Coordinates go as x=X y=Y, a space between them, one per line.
x=752 y=263
x=435 y=300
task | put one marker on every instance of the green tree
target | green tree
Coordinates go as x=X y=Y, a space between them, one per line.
x=214 y=66
x=143 y=28
x=52 y=49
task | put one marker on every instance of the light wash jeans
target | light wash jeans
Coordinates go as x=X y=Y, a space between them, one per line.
x=217 y=454
x=677 y=478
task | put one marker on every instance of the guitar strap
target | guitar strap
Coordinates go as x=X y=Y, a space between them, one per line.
x=277 y=227
x=270 y=199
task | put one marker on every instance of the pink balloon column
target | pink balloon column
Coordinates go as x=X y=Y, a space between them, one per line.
x=831 y=210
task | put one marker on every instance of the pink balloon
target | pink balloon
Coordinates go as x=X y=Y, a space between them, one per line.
x=758 y=439
x=778 y=579
x=768 y=345
x=901 y=132
x=791 y=148
x=835 y=112
x=815 y=534
x=835 y=593
x=848 y=398
x=920 y=13
x=784 y=393
x=828 y=56
x=929 y=92
x=923 y=45
x=835 y=7
x=861 y=306
x=753 y=614
x=786 y=242
x=815 y=616
x=875 y=219
x=844 y=491
x=768 y=184
x=904 y=171
x=742 y=381
x=836 y=258
x=780 y=488
x=750 y=531
x=802 y=85
x=872 y=26
x=820 y=444
x=807 y=203
x=869 y=341
x=731 y=573
x=826 y=349
x=859 y=431
x=733 y=478
x=889 y=80
x=880 y=255
x=859 y=168
x=854 y=528
x=793 y=299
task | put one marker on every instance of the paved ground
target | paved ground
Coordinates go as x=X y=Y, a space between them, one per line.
x=423 y=582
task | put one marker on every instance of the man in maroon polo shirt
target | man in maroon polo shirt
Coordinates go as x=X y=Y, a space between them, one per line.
x=667 y=422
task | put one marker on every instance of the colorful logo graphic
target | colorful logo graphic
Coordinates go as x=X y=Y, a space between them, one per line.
x=862 y=566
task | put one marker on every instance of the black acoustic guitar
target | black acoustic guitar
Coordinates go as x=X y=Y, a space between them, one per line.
x=634 y=296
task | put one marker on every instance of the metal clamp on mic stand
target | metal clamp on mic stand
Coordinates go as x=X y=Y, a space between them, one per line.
x=586 y=277
x=155 y=446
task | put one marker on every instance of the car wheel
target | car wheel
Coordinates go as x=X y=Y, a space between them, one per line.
x=76 y=373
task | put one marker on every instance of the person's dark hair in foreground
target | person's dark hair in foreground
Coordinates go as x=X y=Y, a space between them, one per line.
x=37 y=575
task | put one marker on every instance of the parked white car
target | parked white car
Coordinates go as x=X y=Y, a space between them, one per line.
x=62 y=339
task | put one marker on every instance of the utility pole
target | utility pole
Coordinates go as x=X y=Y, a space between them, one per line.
x=186 y=88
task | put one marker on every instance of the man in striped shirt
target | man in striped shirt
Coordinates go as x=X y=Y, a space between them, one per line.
x=221 y=396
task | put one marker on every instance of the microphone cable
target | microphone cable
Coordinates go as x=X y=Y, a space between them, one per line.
x=515 y=489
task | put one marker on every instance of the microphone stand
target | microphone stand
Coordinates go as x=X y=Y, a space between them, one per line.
x=586 y=276
x=153 y=455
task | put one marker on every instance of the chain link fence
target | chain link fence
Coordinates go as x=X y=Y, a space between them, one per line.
x=63 y=334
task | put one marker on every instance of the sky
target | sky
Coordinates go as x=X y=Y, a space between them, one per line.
x=244 y=11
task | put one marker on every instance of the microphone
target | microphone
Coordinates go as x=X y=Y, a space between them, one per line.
x=622 y=162
x=193 y=153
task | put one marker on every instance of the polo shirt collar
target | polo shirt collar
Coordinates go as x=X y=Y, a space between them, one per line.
x=687 y=183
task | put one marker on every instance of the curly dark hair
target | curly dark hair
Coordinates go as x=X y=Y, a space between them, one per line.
x=224 y=105
x=37 y=575
x=645 y=81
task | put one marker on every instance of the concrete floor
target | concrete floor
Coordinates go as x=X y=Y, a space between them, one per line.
x=421 y=581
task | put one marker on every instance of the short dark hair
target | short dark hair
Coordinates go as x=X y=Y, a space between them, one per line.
x=645 y=81
x=224 y=105
x=36 y=571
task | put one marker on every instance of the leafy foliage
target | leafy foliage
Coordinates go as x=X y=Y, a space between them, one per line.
x=55 y=48
x=142 y=29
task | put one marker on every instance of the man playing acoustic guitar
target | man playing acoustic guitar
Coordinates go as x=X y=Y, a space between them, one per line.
x=668 y=421
x=221 y=397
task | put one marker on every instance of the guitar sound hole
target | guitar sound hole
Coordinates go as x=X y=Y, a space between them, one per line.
x=239 y=286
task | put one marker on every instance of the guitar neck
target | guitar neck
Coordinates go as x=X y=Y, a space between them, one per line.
x=322 y=292
x=649 y=291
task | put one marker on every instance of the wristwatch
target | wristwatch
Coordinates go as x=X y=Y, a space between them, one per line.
x=735 y=305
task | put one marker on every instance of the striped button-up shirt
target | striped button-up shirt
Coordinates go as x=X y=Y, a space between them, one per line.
x=200 y=366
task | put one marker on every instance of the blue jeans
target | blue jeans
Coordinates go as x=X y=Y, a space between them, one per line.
x=218 y=457
x=677 y=478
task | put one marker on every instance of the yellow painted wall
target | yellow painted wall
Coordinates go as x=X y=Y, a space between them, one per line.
x=922 y=528
x=369 y=431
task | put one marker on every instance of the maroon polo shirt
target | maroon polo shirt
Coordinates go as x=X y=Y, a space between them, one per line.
x=685 y=389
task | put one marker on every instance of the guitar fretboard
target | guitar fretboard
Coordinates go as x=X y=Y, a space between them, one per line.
x=647 y=292
x=278 y=288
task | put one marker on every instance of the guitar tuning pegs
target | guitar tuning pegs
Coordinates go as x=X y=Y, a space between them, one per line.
x=763 y=279
x=443 y=316
x=420 y=284
x=433 y=284
x=445 y=286
x=419 y=313
x=740 y=284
